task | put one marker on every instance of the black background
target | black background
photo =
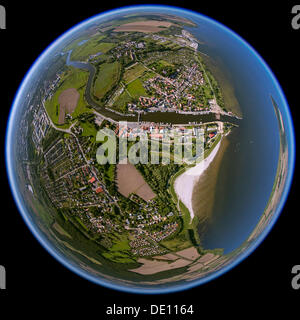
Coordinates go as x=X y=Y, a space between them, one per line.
x=34 y=276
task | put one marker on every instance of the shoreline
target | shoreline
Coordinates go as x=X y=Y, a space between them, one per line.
x=184 y=184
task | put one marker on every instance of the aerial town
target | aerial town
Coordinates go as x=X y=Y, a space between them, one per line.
x=128 y=210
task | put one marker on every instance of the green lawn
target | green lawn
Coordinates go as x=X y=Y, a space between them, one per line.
x=73 y=78
x=216 y=141
x=81 y=224
x=109 y=75
x=136 y=89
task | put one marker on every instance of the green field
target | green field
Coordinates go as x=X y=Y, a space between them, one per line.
x=122 y=101
x=165 y=63
x=107 y=77
x=134 y=72
x=121 y=244
x=73 y=78
x=89 y=130
x=148 y=75
x=75 y=43
x=93 y=46
x=120 y=251
x=136 y=89
x=177 y=243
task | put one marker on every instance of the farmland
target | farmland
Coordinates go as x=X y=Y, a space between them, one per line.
x=129 y=181
x=144 y=26
x=91 y=47
x=71 y=79
x=136 y=89
x=134 y=72
x=108 y=76
x=68 y=100
x=122 y=101
x=89 y=129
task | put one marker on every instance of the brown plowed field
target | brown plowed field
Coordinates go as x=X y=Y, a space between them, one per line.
x=67 y=100
x=144 y=26
x=129 y=180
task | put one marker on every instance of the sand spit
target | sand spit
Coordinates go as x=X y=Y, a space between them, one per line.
x=185 y=183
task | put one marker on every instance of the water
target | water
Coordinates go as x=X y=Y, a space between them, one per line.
x=204 y=193
x=247 y=171
x=82 y=42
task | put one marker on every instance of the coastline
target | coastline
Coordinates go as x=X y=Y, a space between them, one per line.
x=184 y=184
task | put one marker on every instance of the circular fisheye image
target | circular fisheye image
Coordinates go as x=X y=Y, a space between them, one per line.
x=150 y=149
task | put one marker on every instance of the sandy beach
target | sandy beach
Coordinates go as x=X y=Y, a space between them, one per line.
x=185 y=183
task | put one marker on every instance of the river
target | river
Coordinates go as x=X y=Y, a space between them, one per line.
x=158 y=117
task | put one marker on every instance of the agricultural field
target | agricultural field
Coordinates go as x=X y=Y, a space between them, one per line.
x=108 y=76
x=89 y=129
x=121 y=102
x=76 y=43
x=134 y=72
x=129 y=180
x=91 y=47
x=148 y=75
x=72 y=79
x=120 y=251
x=144 y=26
x=68 y=101
x=180 y=242
x=136 y=89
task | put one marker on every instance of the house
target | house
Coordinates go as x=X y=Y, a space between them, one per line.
x=92 y=180
x=99 y=190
